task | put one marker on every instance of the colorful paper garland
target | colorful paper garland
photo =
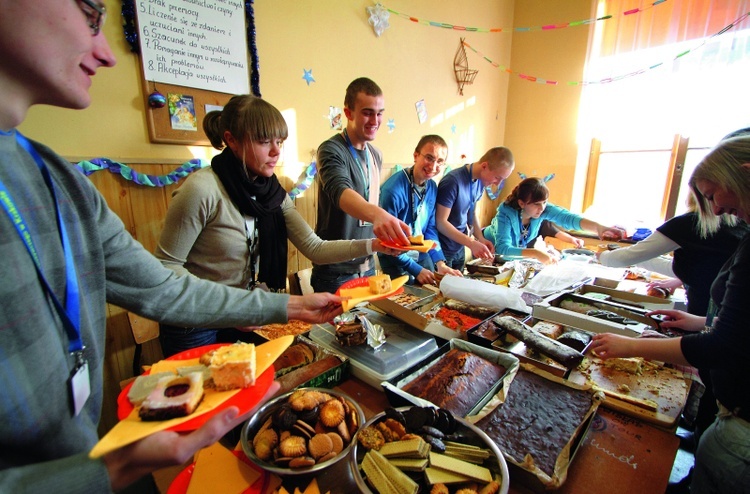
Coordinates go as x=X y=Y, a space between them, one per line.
x=445 y=25
x=98 y=164
x=606 y=80
x=305 y=181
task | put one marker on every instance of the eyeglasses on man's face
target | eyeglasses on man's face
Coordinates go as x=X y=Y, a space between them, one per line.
x=432 y=160
x=95 y=15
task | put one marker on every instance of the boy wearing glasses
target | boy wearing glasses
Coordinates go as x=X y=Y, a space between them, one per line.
x=65 y=255
x=410 y=195
x=458 y=193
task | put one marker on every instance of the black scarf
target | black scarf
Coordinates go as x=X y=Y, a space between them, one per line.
x=265 y=208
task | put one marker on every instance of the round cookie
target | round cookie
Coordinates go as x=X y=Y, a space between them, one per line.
x=331 y=413
x=338 y=443
x=320 y=445
x=327 y=457
x=293 y=446
x=371 y=438
x=301 y=462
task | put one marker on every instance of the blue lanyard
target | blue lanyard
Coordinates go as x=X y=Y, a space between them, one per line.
x=365 y=177
x=70 y=314
x=415 y=211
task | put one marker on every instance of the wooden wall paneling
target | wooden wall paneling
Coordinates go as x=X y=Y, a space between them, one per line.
x=149 y=207
x=306 y=204
x=117 y=363
x=114 y=189
x=593 y=169
x=674 y=176
x=165 y=169
x=292 y=253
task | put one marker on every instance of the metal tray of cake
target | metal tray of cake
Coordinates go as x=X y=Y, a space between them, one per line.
x=413 y=297
x=398 y=397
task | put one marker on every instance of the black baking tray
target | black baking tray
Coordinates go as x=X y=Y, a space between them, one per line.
x=487 y=332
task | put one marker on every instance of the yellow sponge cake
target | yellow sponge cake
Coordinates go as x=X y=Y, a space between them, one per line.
x=233 y=366
x=380 y=283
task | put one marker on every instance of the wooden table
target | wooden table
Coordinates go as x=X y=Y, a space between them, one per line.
x=620 y=454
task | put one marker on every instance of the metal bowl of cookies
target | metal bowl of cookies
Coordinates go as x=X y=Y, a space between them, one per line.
x=301 y=432
x=418 y=448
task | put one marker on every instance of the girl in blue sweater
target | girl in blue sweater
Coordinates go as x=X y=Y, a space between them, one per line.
x=519 y=218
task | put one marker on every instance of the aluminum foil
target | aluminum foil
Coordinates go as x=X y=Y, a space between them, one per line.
x=345 y=318
x=375 y=333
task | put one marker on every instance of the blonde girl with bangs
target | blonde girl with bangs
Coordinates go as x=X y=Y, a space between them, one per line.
x=230 y=223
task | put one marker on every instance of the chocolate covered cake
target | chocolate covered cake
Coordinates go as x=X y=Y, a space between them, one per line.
x=457 y=381
x=539 y=417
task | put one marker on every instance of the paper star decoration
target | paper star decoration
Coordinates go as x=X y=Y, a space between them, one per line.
x=391 y=125
x=308 y=77
x=453 y=129
x=378 y=18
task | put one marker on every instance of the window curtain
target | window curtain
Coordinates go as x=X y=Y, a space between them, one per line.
x=673 y=21
x=672 y=73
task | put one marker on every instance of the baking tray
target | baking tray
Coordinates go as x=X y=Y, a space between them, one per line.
x=533 y=477
x=398 y=397
x=664 y=387
x=510 y=344
x=417 y=297
x=487 y=332
x=421 y=317
x=549 y=310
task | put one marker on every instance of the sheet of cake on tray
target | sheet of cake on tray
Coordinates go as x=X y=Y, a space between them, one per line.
x=538 y=423
x=461 y=378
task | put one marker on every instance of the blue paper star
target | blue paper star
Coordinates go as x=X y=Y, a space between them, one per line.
x=453 y=129
x=308 y=77
x=391 y=125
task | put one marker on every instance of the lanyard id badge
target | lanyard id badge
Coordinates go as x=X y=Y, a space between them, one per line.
x=79 y=384
x=364 y=171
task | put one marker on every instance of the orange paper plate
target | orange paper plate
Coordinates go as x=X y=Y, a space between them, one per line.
x=245 y=399
x=428 y=244
x=365 y=296
x=181 y=482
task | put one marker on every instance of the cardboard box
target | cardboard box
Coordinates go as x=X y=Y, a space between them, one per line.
x=419 y=317
x=330 y=378
x=625 y=298
x=549 y=310
x=394 y=387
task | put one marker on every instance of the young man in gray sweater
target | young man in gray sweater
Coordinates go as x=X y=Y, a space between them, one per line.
x=64 y=256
